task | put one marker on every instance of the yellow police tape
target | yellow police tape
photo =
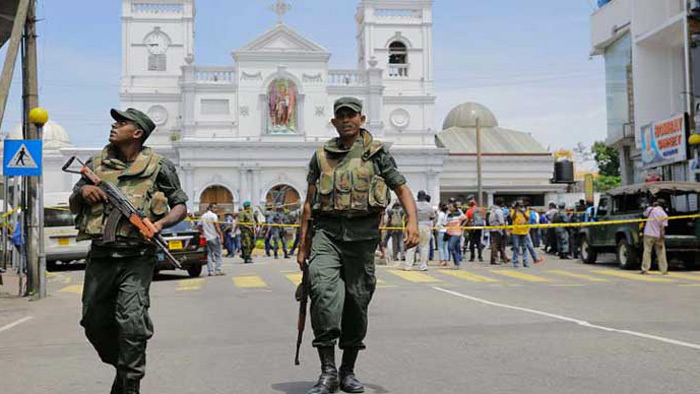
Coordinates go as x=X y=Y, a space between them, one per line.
x=507 y=227
x=560 y=225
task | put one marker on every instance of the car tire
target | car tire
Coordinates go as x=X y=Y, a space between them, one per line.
x=588 y=254
x=194 y=270
x=626 y=255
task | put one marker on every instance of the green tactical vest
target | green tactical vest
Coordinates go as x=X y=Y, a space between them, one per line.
x=246 y=216
x=350 y=185
x=137 y=182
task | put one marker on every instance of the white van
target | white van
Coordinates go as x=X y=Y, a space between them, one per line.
x=60 y=232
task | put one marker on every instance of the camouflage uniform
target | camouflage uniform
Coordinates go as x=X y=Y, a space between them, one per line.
x=247 y=234
x=118 y=275
x=352 y=192
x=562 y=233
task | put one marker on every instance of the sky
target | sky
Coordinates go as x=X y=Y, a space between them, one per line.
x=528 y=61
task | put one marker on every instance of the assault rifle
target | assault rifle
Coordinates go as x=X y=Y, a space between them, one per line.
x=302 y=293
x=122 y=209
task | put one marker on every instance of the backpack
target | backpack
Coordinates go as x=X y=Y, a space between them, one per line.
x=478 y=217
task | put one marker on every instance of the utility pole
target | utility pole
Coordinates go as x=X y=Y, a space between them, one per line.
x=479 y=186
x=11 y=55
x=30 y=99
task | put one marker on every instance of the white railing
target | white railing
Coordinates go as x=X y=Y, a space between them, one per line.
x=397 y=70
x=156 y=8
x=347 y=78
x=215 y=75
x=397 y=13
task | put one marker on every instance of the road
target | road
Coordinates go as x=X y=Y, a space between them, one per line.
x=558 y=327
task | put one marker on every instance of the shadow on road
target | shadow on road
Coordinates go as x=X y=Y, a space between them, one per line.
x=303 y=387
x=293 y=387
x=164 y=277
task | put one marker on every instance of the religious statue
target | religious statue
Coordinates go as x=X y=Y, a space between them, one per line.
x=282 y=107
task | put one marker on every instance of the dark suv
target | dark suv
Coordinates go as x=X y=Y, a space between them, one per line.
x=187 y=245
x=626 y=239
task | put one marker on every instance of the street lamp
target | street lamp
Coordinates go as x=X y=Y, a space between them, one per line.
x=39 y=117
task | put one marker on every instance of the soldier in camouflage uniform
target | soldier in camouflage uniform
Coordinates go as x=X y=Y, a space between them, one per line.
x=349 y=180
x=246 y=217
x=562 y=232
x=118 y=274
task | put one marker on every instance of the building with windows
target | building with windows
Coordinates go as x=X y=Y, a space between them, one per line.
x=246 y=130
x=251 y=126
x=649 y=82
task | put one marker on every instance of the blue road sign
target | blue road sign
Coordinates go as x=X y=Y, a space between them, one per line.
x=22 y=158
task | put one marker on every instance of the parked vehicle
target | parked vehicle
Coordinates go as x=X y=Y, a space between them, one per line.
x=60 y=232
x=188 y=246
x=626 y=239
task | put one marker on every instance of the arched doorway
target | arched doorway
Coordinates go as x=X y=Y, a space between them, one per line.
x=216 y=194
x=284 y=196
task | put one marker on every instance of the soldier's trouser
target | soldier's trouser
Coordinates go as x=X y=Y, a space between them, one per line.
x=342 y=284
x=115 y=311
x=562 y=241
x=247 y=243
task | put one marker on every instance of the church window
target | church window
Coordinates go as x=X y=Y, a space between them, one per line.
x=398 y=53
x=398 y=60
x=215 y=107
x=282 y=107
x=157 y=62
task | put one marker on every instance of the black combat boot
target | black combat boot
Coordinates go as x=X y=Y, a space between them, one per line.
x=328 y=381
x=348 y=381
x=132 y=386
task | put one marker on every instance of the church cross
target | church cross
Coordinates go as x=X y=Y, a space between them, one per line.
x=281 y=7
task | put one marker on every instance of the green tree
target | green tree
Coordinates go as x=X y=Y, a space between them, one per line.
x=604 y=183
x=607 y=158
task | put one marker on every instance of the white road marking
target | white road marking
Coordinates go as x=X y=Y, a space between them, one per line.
x=17 y=323
x=582 y=323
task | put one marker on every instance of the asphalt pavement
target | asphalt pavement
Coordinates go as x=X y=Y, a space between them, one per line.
x=556 y=327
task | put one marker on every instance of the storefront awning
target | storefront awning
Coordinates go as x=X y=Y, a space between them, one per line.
x=657 y=187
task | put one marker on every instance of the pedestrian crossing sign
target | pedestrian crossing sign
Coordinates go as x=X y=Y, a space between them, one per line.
x=22 y=158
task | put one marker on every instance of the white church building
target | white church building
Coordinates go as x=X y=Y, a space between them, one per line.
x=244 y=130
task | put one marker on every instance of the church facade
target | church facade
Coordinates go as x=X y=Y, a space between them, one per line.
x=242 y=130
x=246 y=130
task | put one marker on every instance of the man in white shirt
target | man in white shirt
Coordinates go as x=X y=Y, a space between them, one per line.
x=426 y=214
x=214 y=237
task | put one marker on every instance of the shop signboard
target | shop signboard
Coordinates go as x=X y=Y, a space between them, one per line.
x=663 y=142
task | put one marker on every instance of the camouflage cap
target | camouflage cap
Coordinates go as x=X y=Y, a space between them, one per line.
x=141 y=119
x=348 y=102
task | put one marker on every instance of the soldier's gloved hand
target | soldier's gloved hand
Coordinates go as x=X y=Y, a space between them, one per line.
x=93 y=194
x=410 y=236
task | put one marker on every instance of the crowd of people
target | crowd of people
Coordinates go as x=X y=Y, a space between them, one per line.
x=442 y=233
x=238 y=232
x=447 y=239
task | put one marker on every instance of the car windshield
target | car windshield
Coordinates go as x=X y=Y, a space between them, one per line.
x=183 y=226
x=58 y=217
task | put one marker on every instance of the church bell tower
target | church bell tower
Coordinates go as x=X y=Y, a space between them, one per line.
x=396 y=37
x=157 y=40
